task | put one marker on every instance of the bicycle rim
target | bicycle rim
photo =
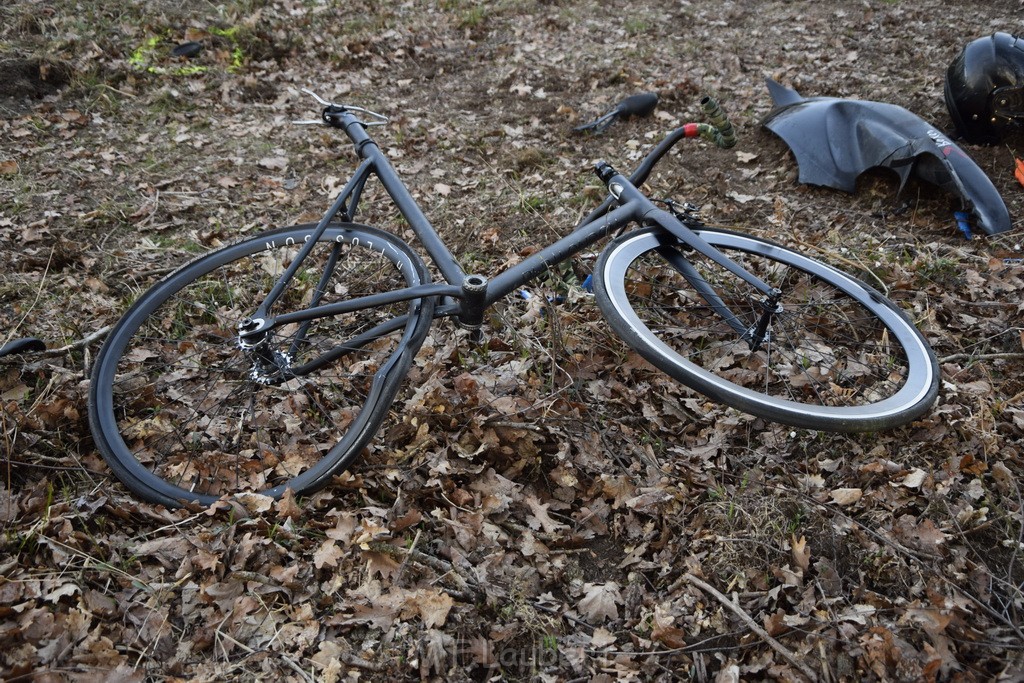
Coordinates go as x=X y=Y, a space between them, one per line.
x=838 y=357
x=181 y=413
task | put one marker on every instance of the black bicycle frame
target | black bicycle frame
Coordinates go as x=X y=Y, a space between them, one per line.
x=474 y=293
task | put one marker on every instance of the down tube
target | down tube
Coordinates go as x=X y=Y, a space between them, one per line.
x=410 y=210
x=579 y=239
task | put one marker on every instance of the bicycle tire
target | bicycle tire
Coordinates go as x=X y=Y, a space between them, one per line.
x=182 y=415
x=839 y=357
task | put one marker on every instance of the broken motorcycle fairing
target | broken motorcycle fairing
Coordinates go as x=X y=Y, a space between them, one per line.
x=835 y=140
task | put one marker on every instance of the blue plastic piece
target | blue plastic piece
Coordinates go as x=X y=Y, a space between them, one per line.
x=963 y=221
x=588 y=284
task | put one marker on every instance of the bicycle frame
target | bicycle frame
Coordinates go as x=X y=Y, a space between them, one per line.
x=473 y=293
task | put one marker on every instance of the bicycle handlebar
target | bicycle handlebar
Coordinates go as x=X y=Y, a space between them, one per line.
x=720 y=131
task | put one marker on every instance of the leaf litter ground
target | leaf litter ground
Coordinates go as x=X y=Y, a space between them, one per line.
x=543 y=505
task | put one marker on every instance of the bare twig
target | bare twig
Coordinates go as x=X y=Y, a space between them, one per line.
x=473 y=591
x=287 y=660
x=981 y=356
x=567 y=617
x=31 y=307
x=513 y=425
x=360 y=663
x=408 y=556
x=788 y=654
x=83 y=342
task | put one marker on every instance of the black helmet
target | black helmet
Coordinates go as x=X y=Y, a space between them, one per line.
x=985 y=88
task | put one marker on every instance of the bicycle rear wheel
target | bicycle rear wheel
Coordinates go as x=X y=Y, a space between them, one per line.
x=838 y=356
x=182 y=414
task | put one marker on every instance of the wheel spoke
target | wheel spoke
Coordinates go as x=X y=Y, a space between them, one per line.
x=834 y=355
x=181 y=404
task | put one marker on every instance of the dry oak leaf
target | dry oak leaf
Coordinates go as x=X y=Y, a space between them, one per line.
x=274 y=163
x=496 y=491
x=327 y=554
x=345 y=529
x=846 y=496
x=169 y=551
x=914 y=479
x=256 y=503
x=602 y=638
x=433 y=606
x=540 y=517
x=775 y=624
x=924 y=536
x=664 y=631
x=801 y=553
x=601 y=600
x=287 y=507
x=328 y=658
x=381 y=563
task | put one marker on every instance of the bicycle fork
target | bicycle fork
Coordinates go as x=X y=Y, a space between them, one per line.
x=758 y=333
x=755 y=335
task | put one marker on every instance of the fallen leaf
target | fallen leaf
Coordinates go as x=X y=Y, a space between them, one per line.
x=1018 y=172
x=64 y=590
x=858 y=614
x=8 y=167
x=664 y=631
x=846 y=496
x=923 y=535
x=741 y=198
x=801 y=553
x=433 y=606
x=914 y=479
x=287 y=507
x=327 y=554
x=602 y=637
x=775 y=624
x=934 y=623
x=274 y=163
x=255 y=503
x=497 y=491
x=601 y=600
x=345 y=529
x=540 y=517
x=381 y=563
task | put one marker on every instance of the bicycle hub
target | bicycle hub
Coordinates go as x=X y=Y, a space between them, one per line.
x=249 y=332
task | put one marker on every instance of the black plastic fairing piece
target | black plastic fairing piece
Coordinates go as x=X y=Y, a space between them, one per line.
x=834 y=140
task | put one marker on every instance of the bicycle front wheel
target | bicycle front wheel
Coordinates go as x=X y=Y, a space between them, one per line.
x=182 y=413
x=836 y=356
